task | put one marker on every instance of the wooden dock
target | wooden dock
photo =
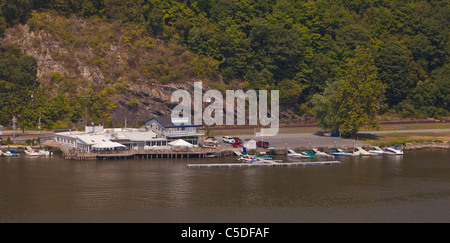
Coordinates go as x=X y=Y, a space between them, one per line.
x=73 y=154
x=263 y=164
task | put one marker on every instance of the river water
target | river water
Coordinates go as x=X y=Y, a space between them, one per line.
x=414 y=187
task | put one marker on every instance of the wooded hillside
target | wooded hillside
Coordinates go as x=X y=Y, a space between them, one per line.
x=301 y=48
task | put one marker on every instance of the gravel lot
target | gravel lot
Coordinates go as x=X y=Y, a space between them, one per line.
x=302 y=140
x=318 y=140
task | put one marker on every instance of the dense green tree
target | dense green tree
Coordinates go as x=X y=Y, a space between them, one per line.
x=290 y=91
x=17 y=82
x=325 y=109
x=353 y=102
x=392 y=63
x=360 y=94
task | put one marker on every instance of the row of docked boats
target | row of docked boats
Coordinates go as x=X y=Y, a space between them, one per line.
x=252 y=158
x=28 y=151
x=359 y=151
x=308 y=154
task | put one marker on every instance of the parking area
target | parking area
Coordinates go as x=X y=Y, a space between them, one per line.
x=295 y=140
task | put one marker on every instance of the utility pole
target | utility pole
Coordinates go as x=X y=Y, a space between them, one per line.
x=85 y=98
x=14 y=120
x=39 y=123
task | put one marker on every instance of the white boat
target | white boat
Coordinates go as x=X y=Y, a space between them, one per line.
x=376 y=151
x=29 y=151
x=248 y=158
x=9 y=153
x=321 y=154
x=340 y=152
x=361 y=152
x=5 y=154
x=44 y=152
x=13 y=153
x=237 y=154
x=394 y=150
x=295 y=155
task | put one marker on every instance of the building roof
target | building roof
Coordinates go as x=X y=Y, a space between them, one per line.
x=141 y=136
x=91 y=139
x=108 y=145
x=166 y=121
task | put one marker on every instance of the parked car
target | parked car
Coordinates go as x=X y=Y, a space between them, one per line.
x=214 y=139
x=237 y=140
x=227 y=139
x=236 y=145
x=263 y=144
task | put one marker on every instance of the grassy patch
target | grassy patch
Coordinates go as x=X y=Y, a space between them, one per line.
x=403 y=138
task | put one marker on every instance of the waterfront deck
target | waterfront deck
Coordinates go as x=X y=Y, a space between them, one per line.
x=139 y=154
x=73 y=154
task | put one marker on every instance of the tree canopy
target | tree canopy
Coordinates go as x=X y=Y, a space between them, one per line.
x=298 y=47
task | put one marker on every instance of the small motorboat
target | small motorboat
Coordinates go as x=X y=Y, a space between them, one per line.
x=321 y=154
x=237 y=154
x=340 y=152
x=44 y=152
x=376 y=151
x=14 y=153
x=309 y=154
x=394 y=150
x=248 y=158
x=361 y=152
x=294 y=155
x=29 y=151
x=10 y=153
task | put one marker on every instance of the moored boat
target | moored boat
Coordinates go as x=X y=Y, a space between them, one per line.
x=309 y=154
x=321 y=154
x=340 y=152
x=376 y=151
x=29 y=151
x=295 y=155
x=44 y=152
x=361 y=152
x=248 y=158
x=8 y=153
x=11 y=153
x=394 y=150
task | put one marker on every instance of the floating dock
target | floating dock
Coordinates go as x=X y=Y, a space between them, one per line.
x=263 y=164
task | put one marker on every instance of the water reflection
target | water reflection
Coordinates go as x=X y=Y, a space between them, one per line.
x=164 y=190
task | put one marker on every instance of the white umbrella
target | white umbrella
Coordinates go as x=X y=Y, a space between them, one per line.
x=108 y=145
x=180 y=143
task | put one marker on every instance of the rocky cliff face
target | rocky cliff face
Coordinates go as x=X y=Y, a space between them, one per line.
x=141 y=99
x=152 y=100
x=144 y=71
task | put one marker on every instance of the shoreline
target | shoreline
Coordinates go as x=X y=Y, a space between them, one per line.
x=272 y=150
x=426 y=145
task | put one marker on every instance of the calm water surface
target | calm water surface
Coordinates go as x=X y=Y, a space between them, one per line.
x=414 y=187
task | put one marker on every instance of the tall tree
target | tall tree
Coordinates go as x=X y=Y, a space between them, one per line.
x=392 y=63
x=360 y=93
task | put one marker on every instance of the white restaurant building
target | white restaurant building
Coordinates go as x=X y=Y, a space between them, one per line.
x=97 y=138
